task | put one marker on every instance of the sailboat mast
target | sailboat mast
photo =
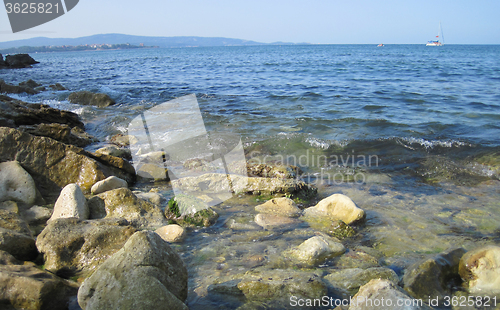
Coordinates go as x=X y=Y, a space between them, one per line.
x=441 y=32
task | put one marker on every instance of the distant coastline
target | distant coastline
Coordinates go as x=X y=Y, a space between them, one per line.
x=71 y=48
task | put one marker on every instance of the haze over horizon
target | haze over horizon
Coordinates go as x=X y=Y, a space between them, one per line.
x=316 y=21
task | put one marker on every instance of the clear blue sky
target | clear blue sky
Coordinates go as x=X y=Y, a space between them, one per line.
x=313 y=21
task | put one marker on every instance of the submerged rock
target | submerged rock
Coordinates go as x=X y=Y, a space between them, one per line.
x=28 y=287
x=480 y=270
x=72 y=247
x=71 y=203
x=89 y=98
x=434 y=276
x=108 y=184
x=145 y=274
x=272 y=170
x=54 y=165
x=346 y=282
x=279 y=206
x=337 y=206
x=384 y=294
x=269 y=221
x=315 y=250
x=16 y=184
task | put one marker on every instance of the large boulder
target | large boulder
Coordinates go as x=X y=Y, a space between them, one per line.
x=434 y=276
x=315 y=250
x=145 y=274
x=53 y=164
x=279 y=206
x=16 y=184
x=384 y=294
x=122 y=203
x=22 y=113
x=71 y=203
x=28 y=287
x=20 y=61
x=480 y=270
x=71 y=246
x=89 y=98
x=338 y=207
x=60 y=132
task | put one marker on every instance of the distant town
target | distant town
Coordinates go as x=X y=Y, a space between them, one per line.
x=71 y=48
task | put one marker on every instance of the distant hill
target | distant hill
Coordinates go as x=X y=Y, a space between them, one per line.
x=114 y=38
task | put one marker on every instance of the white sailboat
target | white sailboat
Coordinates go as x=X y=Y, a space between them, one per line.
x=437 y=42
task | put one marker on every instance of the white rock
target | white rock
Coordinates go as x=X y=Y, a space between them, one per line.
x=71 y=203
x=480 y=268
x=338 y=207
x=171 y=233
x=108 y=184
x=16 y=184
x=280 y=206
x=316 y=249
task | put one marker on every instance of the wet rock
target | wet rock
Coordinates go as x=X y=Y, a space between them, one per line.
x=71 y=203
x=480 y=270
x=122 y=203
x=269 y=221
x=279 y=285
x=171 y=233
x=11 y=221
x=89 y=98
x=356 y=259
x=16 y=184
x=2 y=62
x=20 y=61
x=346 y=282
x=108 y=184
x=332 y=227
x=14 y=89
x=272 y=170
x=153 y=198
x=434 y=276
x=123 y=140
x=36 y=215
x=145 y=274
x=315 y=250
x=28 y=287
x=60 y=132
x=22 y=113
x=115 y=151
x=57 y=87
x=30 y=83
x=339 y=207
x=53 y=164
x=183 y=209
x=279 y=206
x=72 y=247
x=372 y=294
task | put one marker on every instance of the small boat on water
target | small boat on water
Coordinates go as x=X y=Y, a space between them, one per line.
x=437 y=42
x=380 y=45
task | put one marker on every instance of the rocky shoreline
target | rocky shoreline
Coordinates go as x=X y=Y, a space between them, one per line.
x=75 y=233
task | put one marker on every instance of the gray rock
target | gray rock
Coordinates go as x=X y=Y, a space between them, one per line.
x=74 y=247
x=16 y=184
x=71 y=203
x=89 y=98
x=145 y=274
x=36 y=215
x=153 y=198
x=115 y=151
x=108 y=184
x=20 y=61
x=60 y=132
x=122 y=203
x=371 y=295
x=7 y=259
x=282 y=206
x=480 y=270
x=57 y=87
x=20 y=245
x=346 y=282
x=12 y=221
x=269 y=221
x=315 y=250
x=434 y=276
x=28 y=287
x=15 y=89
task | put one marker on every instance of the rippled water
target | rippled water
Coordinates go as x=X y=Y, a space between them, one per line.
x=428 y=117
